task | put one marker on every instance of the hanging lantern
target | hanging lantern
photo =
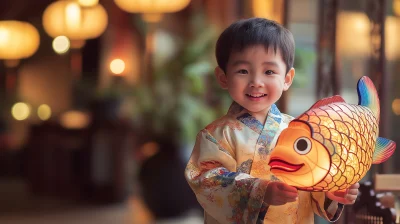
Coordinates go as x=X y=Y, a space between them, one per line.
x=68 y=18
x=268 y=9
x=18 y=40
x=353 y=34
x=396 y=7
x=392 y=32
x=333 y=144
x=152 y=10
x=88 y=3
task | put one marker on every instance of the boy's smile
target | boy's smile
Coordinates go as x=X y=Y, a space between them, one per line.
x=256 y=96
x=255 y=78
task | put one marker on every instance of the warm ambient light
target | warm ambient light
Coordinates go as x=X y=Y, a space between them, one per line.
x=70 y=19
x=20 y=111
x=44 y=112
x=353 y=34
x=88 y=3
x=117 y=66
x=267 y=9
x=74 y=120
x=155 y=8
x=396 y=106
x=61 y=44
x=149 y=149
x=396 y=7
x=18 y=40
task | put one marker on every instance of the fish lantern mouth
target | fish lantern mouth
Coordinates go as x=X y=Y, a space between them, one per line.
x=279 y=164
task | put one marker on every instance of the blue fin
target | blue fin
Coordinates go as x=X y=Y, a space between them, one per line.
x=368 y=96
x=384 y=148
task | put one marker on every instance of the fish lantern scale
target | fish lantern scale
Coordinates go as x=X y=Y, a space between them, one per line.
x=333 y=144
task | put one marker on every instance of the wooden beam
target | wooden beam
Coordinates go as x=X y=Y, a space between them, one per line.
x=328 y=80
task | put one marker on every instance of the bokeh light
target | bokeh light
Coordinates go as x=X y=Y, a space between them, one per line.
x=74 y=120
x=44 y=112
x=396 y=107
x=117 y=66
x=61 y=44
x=20 y=111
x=149 y=149
x=396 y=7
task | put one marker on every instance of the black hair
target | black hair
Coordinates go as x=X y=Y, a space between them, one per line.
x=254 y=31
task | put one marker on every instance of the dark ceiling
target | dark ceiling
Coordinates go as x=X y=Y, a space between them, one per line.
x=24 y=10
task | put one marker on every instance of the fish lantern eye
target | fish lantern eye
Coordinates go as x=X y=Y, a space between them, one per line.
x=302 y=145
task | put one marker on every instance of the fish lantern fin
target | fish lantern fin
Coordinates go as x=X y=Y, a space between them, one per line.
x=329 y=100
x=384 y=148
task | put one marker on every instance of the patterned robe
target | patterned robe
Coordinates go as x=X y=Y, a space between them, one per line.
x=228 y=171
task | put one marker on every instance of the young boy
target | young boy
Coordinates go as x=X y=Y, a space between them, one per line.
x=228 y=168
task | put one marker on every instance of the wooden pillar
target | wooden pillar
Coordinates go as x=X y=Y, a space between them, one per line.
x=376 y=11
x=328 y=80
x=222 y=12
x=283 y=101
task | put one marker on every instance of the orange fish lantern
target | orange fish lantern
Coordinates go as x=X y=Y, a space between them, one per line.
x=333 y=144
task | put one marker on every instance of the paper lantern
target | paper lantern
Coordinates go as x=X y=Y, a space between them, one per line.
x=154 y=6
x=396 y=7
x=18 y=40
x=152 y=10
x=392 y=32
x=68 y=18
x=353 y=34
x=268 y=9
x=88 y=3
x=333 y=144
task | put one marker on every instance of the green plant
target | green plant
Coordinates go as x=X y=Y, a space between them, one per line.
x=183 y=96
x=304 y=59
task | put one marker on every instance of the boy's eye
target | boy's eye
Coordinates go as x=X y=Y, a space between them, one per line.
x=243 y=71
x=269 y=72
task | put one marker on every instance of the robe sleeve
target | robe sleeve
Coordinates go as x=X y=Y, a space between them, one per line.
x=325 y=207
x=226 y=195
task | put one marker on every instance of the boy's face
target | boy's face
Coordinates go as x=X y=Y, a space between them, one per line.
x=255 y=78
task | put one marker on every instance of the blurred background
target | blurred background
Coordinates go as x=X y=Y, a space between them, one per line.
x=100 y=101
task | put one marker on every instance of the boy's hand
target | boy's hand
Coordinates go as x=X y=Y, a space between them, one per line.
x=347 y=197
x=279 y=193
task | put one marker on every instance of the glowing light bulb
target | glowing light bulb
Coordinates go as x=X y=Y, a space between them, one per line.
x=117 y=66
x=44 y=112
x=61 y=44
x=20 y=111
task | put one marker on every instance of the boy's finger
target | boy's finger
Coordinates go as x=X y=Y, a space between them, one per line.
x=287 y=195
x=351 y=197
x=341 y=193
x=285 y=187
x=355 y=186
x=290 y=199
x=353 y=191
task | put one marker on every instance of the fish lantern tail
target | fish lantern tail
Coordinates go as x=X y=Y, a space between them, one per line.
x=368 y=96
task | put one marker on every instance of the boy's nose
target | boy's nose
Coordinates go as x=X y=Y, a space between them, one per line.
x=256 y=83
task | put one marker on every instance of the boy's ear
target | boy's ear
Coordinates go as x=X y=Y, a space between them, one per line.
x=289 y=79
x=221 y=77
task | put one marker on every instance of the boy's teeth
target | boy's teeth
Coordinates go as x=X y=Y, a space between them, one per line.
x=256 y=95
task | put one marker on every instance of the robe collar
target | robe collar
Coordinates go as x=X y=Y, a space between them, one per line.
x=274 y=118
x=266 y=134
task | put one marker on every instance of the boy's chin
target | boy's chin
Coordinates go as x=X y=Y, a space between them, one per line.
x=258 y=109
